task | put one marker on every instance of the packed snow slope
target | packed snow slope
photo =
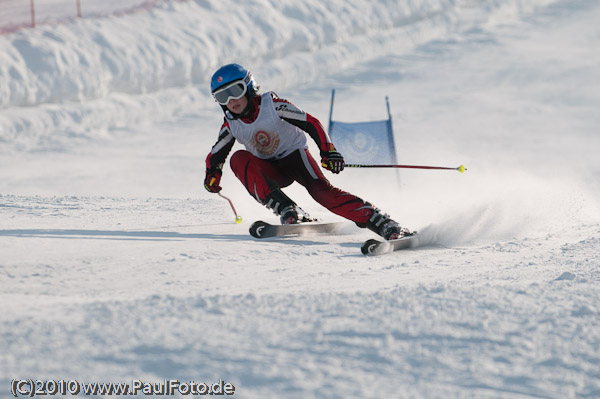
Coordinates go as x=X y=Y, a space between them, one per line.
x=116 y=265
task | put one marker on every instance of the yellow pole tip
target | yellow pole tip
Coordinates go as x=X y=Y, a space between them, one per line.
x=461 y=169
x=238 y=219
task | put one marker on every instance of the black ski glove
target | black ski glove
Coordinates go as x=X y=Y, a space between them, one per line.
x=332 y=160
x=212 y=180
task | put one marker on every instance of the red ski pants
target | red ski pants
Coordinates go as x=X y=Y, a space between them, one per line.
x=261 y=176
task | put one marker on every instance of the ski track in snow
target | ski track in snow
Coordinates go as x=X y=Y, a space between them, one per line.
x=116 y=265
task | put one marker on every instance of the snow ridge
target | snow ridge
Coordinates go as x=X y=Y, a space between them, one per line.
x=81 y=78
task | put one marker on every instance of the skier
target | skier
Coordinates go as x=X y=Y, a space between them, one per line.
x=273 y=131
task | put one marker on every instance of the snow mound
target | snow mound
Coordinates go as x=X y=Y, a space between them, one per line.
x=83 y=77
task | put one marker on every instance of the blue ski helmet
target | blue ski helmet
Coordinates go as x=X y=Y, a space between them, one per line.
x=230 y=73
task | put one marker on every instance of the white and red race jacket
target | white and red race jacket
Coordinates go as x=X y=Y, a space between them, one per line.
x=276 y=129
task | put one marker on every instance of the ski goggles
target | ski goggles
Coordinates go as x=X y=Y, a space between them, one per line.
x=233 y=91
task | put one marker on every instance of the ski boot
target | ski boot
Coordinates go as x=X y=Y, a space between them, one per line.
x=382 y=224
x=289 y=212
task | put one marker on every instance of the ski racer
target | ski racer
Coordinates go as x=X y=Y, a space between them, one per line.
x=273 y=131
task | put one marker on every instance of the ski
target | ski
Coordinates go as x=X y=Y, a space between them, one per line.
x=262 y=229
x=376 y=247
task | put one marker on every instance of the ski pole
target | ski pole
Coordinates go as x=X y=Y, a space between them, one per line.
x=238 y=218
x=461 y=168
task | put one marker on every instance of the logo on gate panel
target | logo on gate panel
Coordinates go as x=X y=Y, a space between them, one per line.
x=265 y=143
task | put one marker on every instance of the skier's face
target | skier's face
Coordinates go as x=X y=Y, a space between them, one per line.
x=237 y=106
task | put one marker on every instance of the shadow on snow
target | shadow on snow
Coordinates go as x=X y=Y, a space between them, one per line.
x=119 y=234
